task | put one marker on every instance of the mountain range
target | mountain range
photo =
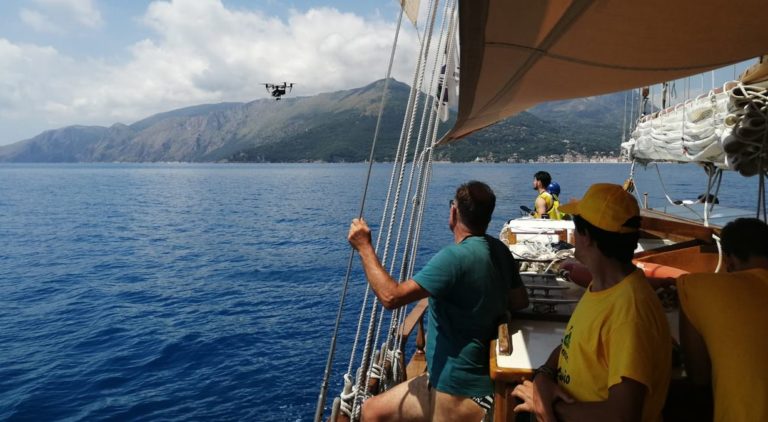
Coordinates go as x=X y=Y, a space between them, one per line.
x=331 y=127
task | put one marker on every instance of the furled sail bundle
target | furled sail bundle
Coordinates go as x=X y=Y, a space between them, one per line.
x=692 y=131
x=726 y=127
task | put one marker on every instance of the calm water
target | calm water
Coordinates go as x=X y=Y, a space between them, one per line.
x=208 y=292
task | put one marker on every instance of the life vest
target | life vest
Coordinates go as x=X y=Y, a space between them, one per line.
x=554 y=212
x=553 y=206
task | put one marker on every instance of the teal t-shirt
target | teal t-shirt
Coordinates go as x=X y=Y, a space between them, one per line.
x=468 y=285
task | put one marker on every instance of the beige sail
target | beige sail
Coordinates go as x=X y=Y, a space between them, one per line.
x=411 y=8
x=517 y=53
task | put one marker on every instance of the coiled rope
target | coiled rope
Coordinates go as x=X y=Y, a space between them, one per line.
x=747 y=145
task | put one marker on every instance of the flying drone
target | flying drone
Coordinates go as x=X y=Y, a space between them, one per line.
x=278 y=90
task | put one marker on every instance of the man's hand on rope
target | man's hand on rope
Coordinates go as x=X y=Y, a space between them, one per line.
x=359 y=234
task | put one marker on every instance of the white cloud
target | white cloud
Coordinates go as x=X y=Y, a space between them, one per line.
x=27 y=80
x=63 y=13
x=38 y=21
x=201 y=52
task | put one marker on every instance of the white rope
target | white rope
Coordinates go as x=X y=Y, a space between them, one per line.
x=363 y=375
x=413 y=167
x=706 y=196
x=411 y=97
x=407 y=195
x=347 y=396
x=717 y=187
x=719 y=252
x=400 y=190
x=383 y=227
x=392 y=340
x=715 y=176
x=624 y=119
x=663 y=187
x=319 y=410
x=419 y=198
x=666 y=195
x=631 y=112
x=376 y=371
x=396 y=357
x=635 y=189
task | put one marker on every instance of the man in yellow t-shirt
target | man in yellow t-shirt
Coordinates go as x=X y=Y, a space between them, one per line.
x=544 y=201
x=722 y=324
x=614 y=360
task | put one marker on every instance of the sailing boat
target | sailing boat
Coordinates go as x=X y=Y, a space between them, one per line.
x=514 y=54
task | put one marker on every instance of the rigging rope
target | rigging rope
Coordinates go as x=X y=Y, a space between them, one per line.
x=367 y=351
x=429 y=115
x=332 y=350
x=399 y=161
x=706 y=195
x=666 y=195
x=407 y=259
x=624 y=119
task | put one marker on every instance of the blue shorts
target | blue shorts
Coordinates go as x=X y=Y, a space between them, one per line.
x=485 y=402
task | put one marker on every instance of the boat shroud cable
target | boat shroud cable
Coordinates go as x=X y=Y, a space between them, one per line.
x=332 y=350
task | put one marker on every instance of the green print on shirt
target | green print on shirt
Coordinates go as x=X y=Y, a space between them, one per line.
x=566 y=342
x=567 y=338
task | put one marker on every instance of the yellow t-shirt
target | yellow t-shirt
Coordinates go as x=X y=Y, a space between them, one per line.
x=618 y=332
x=547 y=201
x=730 y=311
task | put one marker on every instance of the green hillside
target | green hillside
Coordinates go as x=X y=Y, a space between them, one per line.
x=330 y=127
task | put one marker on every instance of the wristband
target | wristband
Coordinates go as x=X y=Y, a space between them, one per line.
x=545 y=370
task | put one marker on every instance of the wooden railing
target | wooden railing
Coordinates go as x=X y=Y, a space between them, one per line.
x=414 y=320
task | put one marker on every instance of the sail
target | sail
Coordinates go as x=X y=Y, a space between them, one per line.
x=518 y=53
x=693 y=131
x=411 y=9
x=448 y=86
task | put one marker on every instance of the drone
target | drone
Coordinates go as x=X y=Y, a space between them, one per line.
x=278 y=90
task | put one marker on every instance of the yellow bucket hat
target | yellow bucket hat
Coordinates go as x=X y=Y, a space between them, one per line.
x=606 y=206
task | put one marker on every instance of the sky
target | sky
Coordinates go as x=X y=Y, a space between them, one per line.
x=100 y=62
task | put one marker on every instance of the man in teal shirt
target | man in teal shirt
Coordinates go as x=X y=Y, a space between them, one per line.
x=470 y=285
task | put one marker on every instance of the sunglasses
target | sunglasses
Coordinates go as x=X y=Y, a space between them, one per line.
x=451 y=202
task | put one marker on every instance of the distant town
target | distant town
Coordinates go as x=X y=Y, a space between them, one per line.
x=570 y=157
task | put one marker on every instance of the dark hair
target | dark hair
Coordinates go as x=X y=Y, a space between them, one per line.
x=745 y=237
x=475 y=201
x=543 y=177
x=619 y=246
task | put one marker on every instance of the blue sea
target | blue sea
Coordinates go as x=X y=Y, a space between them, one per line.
x=209 y=291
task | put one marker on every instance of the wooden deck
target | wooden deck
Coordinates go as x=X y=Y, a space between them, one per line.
x=416 y=366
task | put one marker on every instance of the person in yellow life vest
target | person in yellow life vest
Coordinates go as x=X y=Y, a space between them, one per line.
x=722 y=324
x=554 y=212
x=543 y=206
x=615 y=358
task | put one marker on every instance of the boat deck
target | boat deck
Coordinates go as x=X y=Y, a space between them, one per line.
x=694 y=213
